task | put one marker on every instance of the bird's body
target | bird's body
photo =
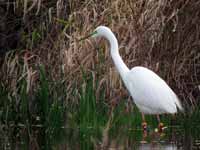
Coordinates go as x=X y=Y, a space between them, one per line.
x=150 y=93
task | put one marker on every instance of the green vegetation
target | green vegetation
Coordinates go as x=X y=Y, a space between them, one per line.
x=43 y=109
x=88 y=121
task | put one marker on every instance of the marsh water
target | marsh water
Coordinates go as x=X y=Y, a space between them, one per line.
x=172 y=138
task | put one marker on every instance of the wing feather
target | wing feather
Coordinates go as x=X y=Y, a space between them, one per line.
x=151 y=93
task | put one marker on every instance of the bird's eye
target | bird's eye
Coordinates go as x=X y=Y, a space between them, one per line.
x=95 y=32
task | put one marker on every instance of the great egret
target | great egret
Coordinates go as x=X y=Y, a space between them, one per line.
x=150 y=93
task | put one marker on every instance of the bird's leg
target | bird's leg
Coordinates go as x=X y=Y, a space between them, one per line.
x=144 y=124
x=144 y=127
x=160 y=124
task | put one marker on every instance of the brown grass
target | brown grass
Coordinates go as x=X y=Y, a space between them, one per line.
x=161 y=35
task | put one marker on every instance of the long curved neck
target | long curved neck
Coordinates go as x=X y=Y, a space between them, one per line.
x=119 y=63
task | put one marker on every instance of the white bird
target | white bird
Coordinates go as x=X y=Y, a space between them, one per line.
x=150 y=93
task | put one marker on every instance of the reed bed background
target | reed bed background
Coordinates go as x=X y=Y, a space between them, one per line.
x=46 y=72
x=161 y=35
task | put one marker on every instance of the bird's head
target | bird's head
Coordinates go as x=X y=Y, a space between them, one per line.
x=98 y=32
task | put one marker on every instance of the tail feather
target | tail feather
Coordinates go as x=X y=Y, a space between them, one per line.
x=178 y=104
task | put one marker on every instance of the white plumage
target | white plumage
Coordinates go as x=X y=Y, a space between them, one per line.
x=150 y=93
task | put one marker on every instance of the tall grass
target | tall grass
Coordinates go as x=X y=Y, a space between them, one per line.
x=90 y=121
x=158 y=35
x=46 y=113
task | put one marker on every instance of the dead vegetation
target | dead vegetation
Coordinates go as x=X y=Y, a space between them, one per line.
x=161 y=35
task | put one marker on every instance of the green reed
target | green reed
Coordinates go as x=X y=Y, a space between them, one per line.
x=56 y=115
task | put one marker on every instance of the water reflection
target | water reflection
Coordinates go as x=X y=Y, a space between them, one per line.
x=146 y=146
x=157 y=146
x=172 y=139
